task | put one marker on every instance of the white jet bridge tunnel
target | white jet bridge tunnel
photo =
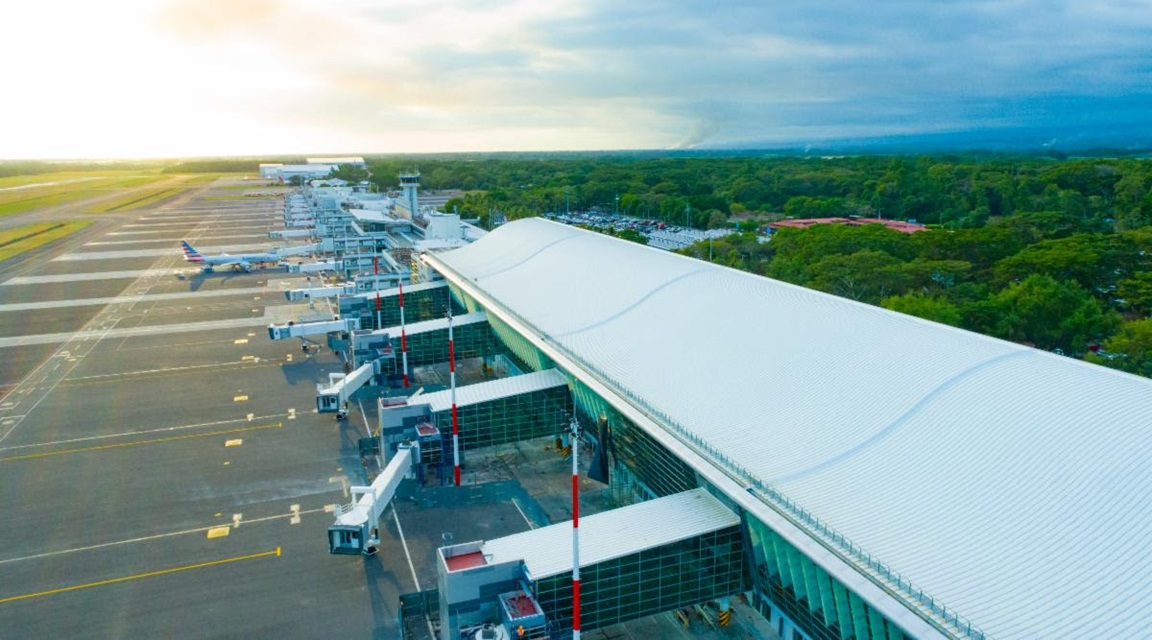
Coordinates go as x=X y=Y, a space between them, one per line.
x=356 y=530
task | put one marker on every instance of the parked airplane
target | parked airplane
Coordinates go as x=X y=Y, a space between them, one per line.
x=239 y=261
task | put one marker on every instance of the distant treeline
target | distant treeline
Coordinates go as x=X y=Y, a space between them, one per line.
x=956 y=191
x=36 y=167
x=219 y=165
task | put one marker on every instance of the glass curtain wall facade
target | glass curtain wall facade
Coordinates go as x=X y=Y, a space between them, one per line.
x=473 y=340
x=512 y=419
x=655 y=580
x=427 y=304
x=812 y=599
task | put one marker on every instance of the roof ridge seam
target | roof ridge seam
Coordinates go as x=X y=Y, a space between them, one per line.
x=636 y=303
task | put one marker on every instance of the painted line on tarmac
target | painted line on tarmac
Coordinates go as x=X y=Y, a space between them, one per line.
x=367 y=427
x=163 y=373
x=138 y=576
x=128 y=434
x=191 y=226
x=404 y=542
x=175 y=239
x=76 y=277
x=148 y=297
x=132 y=332
x=157 y=253
x=238 y=218
x=158 y=536
x=121 y=445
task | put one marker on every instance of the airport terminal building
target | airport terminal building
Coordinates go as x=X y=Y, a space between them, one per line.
x=856 y=472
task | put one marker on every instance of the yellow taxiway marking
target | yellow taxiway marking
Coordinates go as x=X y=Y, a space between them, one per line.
x=47 y=454
x=240 y=341
x=239 y=398
x=235 y=442
x=138 y=576
x=218 y=532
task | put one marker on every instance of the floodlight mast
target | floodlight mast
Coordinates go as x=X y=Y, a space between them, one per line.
x=403 y=337
x=575 y=429
x=452 y=379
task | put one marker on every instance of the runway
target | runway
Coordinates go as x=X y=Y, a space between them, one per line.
x=162 y=469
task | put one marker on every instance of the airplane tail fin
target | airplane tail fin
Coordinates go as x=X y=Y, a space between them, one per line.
x=191 y=254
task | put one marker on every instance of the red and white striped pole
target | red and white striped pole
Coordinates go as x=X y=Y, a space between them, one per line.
x=575 y=426
x=403 y=338
x=452 y=381
x=378 y=311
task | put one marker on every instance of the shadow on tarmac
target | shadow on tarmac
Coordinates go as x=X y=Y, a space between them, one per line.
x=197 y=279
x=381 y=584
x=303 y=371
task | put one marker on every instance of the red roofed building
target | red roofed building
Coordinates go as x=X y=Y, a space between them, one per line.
x=804 y=223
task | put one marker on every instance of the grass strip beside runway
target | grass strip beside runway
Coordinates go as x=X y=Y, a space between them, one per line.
x=13 y=242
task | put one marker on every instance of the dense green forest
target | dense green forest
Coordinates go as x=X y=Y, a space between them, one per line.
x=1047 y=252
x=1051 y=252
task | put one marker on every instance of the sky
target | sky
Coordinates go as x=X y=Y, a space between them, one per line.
x=168 y=78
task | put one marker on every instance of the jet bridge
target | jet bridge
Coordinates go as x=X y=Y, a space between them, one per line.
x=314 y=267
x=331 y=397
x=297 y=295
x=284 y=234
x=302 y=250
x=356 y=529
x=301 y=329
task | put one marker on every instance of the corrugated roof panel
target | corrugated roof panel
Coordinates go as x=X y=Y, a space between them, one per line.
x=547 y=551
x=1008 y=483
x=492 y=390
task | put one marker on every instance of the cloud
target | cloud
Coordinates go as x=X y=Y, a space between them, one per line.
x=684 y=72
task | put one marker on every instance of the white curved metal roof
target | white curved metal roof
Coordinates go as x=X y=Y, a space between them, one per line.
x=1013 y=485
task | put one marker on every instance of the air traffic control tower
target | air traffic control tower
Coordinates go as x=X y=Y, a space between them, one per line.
x=410 y=183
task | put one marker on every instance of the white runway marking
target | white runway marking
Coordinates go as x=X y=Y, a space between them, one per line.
x=128 y=434
x=132 y=332
x=159 y=253
x=411 y=567
x=217 y=226
x=75 y=277
x=153 y=225
x=150 y=297
x=175 y=239
x=158 y=536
